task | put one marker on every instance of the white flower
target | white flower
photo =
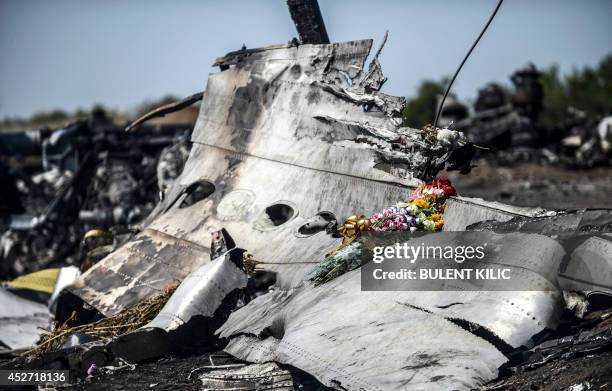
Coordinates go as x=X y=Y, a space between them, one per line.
x=450 y=139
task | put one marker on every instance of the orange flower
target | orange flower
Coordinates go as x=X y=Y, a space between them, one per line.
x=435 y=217
x=421 y=203
x=439 y=225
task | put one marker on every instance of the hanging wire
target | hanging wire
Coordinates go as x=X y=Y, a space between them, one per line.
x=439 y=111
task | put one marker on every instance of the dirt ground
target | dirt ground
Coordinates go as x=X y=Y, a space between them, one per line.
x=176 y=373
x=593 y=372
x=536 y=185
x=166 y=374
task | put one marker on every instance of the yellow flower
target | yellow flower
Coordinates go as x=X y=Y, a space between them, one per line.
x=421 y=203
x=439 y=225
x=435 y=217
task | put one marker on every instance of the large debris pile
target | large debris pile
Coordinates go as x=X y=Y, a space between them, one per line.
x=75 y=189
x=506 y=122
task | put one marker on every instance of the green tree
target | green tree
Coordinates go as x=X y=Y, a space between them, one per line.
x=554 y=97
x=587 y=89
x=421 y=110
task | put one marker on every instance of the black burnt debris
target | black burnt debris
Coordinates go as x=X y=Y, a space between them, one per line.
x=69 y=192
x=214 y=256
x=506 y=123
x=308 y=20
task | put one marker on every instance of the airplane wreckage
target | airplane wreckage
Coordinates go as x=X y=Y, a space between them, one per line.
x=290 y=141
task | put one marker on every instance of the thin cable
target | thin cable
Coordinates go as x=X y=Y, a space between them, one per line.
x=463 y=62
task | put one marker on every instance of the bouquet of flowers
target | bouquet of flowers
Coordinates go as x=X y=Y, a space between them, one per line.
x=336 y=264
x=421 y=212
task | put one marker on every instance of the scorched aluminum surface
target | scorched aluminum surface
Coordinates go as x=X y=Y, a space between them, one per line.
x=286 y=130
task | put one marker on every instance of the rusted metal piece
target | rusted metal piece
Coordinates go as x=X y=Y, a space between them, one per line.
x=308 y=20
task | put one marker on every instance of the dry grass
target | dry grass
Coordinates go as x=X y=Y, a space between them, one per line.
x=121 y=323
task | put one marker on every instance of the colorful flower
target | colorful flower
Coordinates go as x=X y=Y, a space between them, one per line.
x=412 y=209
x=421 y=212
x=421 y=203
x=429 y=225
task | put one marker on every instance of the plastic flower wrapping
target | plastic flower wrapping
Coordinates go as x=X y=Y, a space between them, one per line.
x=336 y=264
x=421 y=212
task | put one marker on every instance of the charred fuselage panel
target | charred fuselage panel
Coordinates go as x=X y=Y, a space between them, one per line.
x=284 y=133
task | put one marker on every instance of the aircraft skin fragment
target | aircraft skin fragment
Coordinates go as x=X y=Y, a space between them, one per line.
x=259 y=141
x=353 y=340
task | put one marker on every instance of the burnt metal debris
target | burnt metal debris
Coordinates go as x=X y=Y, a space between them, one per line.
x=94 y=176
x=308 y=20
x=329 y=133
x=290 y=140
x=507 y=124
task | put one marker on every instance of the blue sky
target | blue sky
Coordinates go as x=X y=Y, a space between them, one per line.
x=73 y=53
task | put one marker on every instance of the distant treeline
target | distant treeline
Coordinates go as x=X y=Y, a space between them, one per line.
x=56 y=118
x=51 y=119
x=41 y=119
x=587 y=89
